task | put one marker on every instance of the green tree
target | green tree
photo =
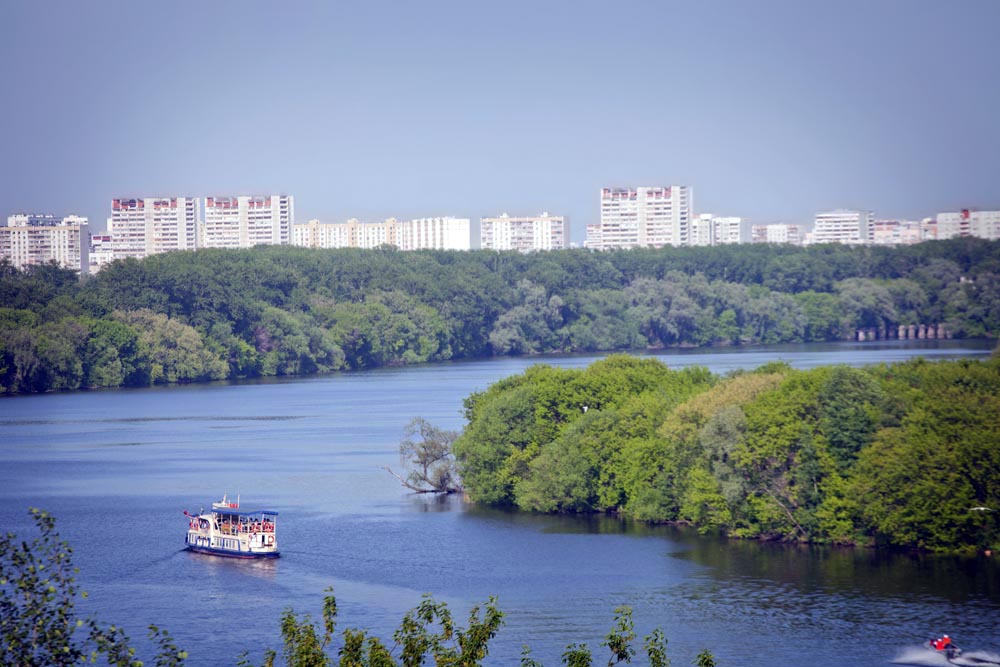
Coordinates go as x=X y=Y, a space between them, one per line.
x=176 y=351
x=38 y=622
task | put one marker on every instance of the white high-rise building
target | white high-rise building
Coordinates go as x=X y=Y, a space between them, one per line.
x=646 y=216
x=702 y=231
x=894 y=232
x=246 y=221
x=984 y=224
x=777 y=233
x=525 y=234
x=316 y=234
x=101 y=251
x=375 y=234
x=39 y=239
x=842 y=226
x=442 y=233
x=140 y=227
x=728 y=230
x=709 y=230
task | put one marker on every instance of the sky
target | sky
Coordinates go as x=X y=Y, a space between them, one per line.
x=772 y=110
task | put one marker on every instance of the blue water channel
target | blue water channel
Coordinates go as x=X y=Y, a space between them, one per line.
x=118 y=467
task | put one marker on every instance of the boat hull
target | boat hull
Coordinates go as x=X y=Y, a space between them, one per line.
x=246 y=555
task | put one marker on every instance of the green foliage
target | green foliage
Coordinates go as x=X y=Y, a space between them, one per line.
x=562 y=440
x=427 y=631
x=655 y=644
x=704 y=659
x=619 y=640
x=890 y=455
x=38 y=623
x=281 y=310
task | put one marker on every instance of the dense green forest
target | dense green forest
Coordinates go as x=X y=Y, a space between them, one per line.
x=896 y=455
x=218 y=314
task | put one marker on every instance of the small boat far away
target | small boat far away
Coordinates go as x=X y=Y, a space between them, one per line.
x=229 y=531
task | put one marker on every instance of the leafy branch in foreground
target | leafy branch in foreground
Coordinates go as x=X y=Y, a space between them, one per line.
x=429 y=631
x=38 y=623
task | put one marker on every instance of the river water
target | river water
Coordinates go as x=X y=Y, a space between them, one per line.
x=117 y=467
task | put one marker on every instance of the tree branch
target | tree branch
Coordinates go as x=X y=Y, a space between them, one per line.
x=406 y=483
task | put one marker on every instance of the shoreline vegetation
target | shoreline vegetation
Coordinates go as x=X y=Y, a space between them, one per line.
x=902 y=455
x=281 y=311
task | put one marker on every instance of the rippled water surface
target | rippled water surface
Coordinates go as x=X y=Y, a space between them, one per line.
x=118 y=467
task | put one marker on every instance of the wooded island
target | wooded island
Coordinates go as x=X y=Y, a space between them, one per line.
x=902 y=455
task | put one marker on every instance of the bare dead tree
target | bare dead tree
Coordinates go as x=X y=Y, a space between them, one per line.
x=425 y=453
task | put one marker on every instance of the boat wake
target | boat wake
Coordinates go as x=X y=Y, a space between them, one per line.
x=927 y=657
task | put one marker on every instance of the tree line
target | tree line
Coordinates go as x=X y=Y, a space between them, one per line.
x=900 y=455
x=279 y=310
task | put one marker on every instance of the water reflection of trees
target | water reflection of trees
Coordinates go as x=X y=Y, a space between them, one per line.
x=821 y=569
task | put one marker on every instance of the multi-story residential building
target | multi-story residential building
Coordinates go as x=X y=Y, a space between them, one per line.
x=777 y=233
x=375 y=234
x=39 y=239
x=246 y=221
x=984 y=224
x=592 y=241
x=928 y=229
x=525 y=234
x=316 y=234
x=702 y=231
x=841 y=226
x=101 y=251
x=728 y=230
x=895 y=232
x=442 y=233
x=709 y=230
x=646 y=216
x=145 y=226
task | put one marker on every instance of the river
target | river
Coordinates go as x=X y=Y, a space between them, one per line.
x=117 y=467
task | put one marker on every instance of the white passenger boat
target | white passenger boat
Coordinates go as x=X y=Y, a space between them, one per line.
x=230 y=531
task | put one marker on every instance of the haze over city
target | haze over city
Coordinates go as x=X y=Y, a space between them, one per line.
x=772 y=111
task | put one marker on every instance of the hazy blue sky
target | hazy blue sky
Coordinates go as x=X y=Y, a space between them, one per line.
x=770 y=110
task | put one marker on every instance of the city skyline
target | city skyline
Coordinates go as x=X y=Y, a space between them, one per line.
x=771 y=112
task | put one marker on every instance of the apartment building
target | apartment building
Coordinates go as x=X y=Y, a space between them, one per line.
x=777 y=233
x=982 y=224
x=247 y=221
x=144 y=226
x=524 y=234
x=441 y=233
x=711 y=230
x=101 y=252
x=316 y=234
x=841 y=226
x=895 y=232
x=39 y=239
x=645 y=216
